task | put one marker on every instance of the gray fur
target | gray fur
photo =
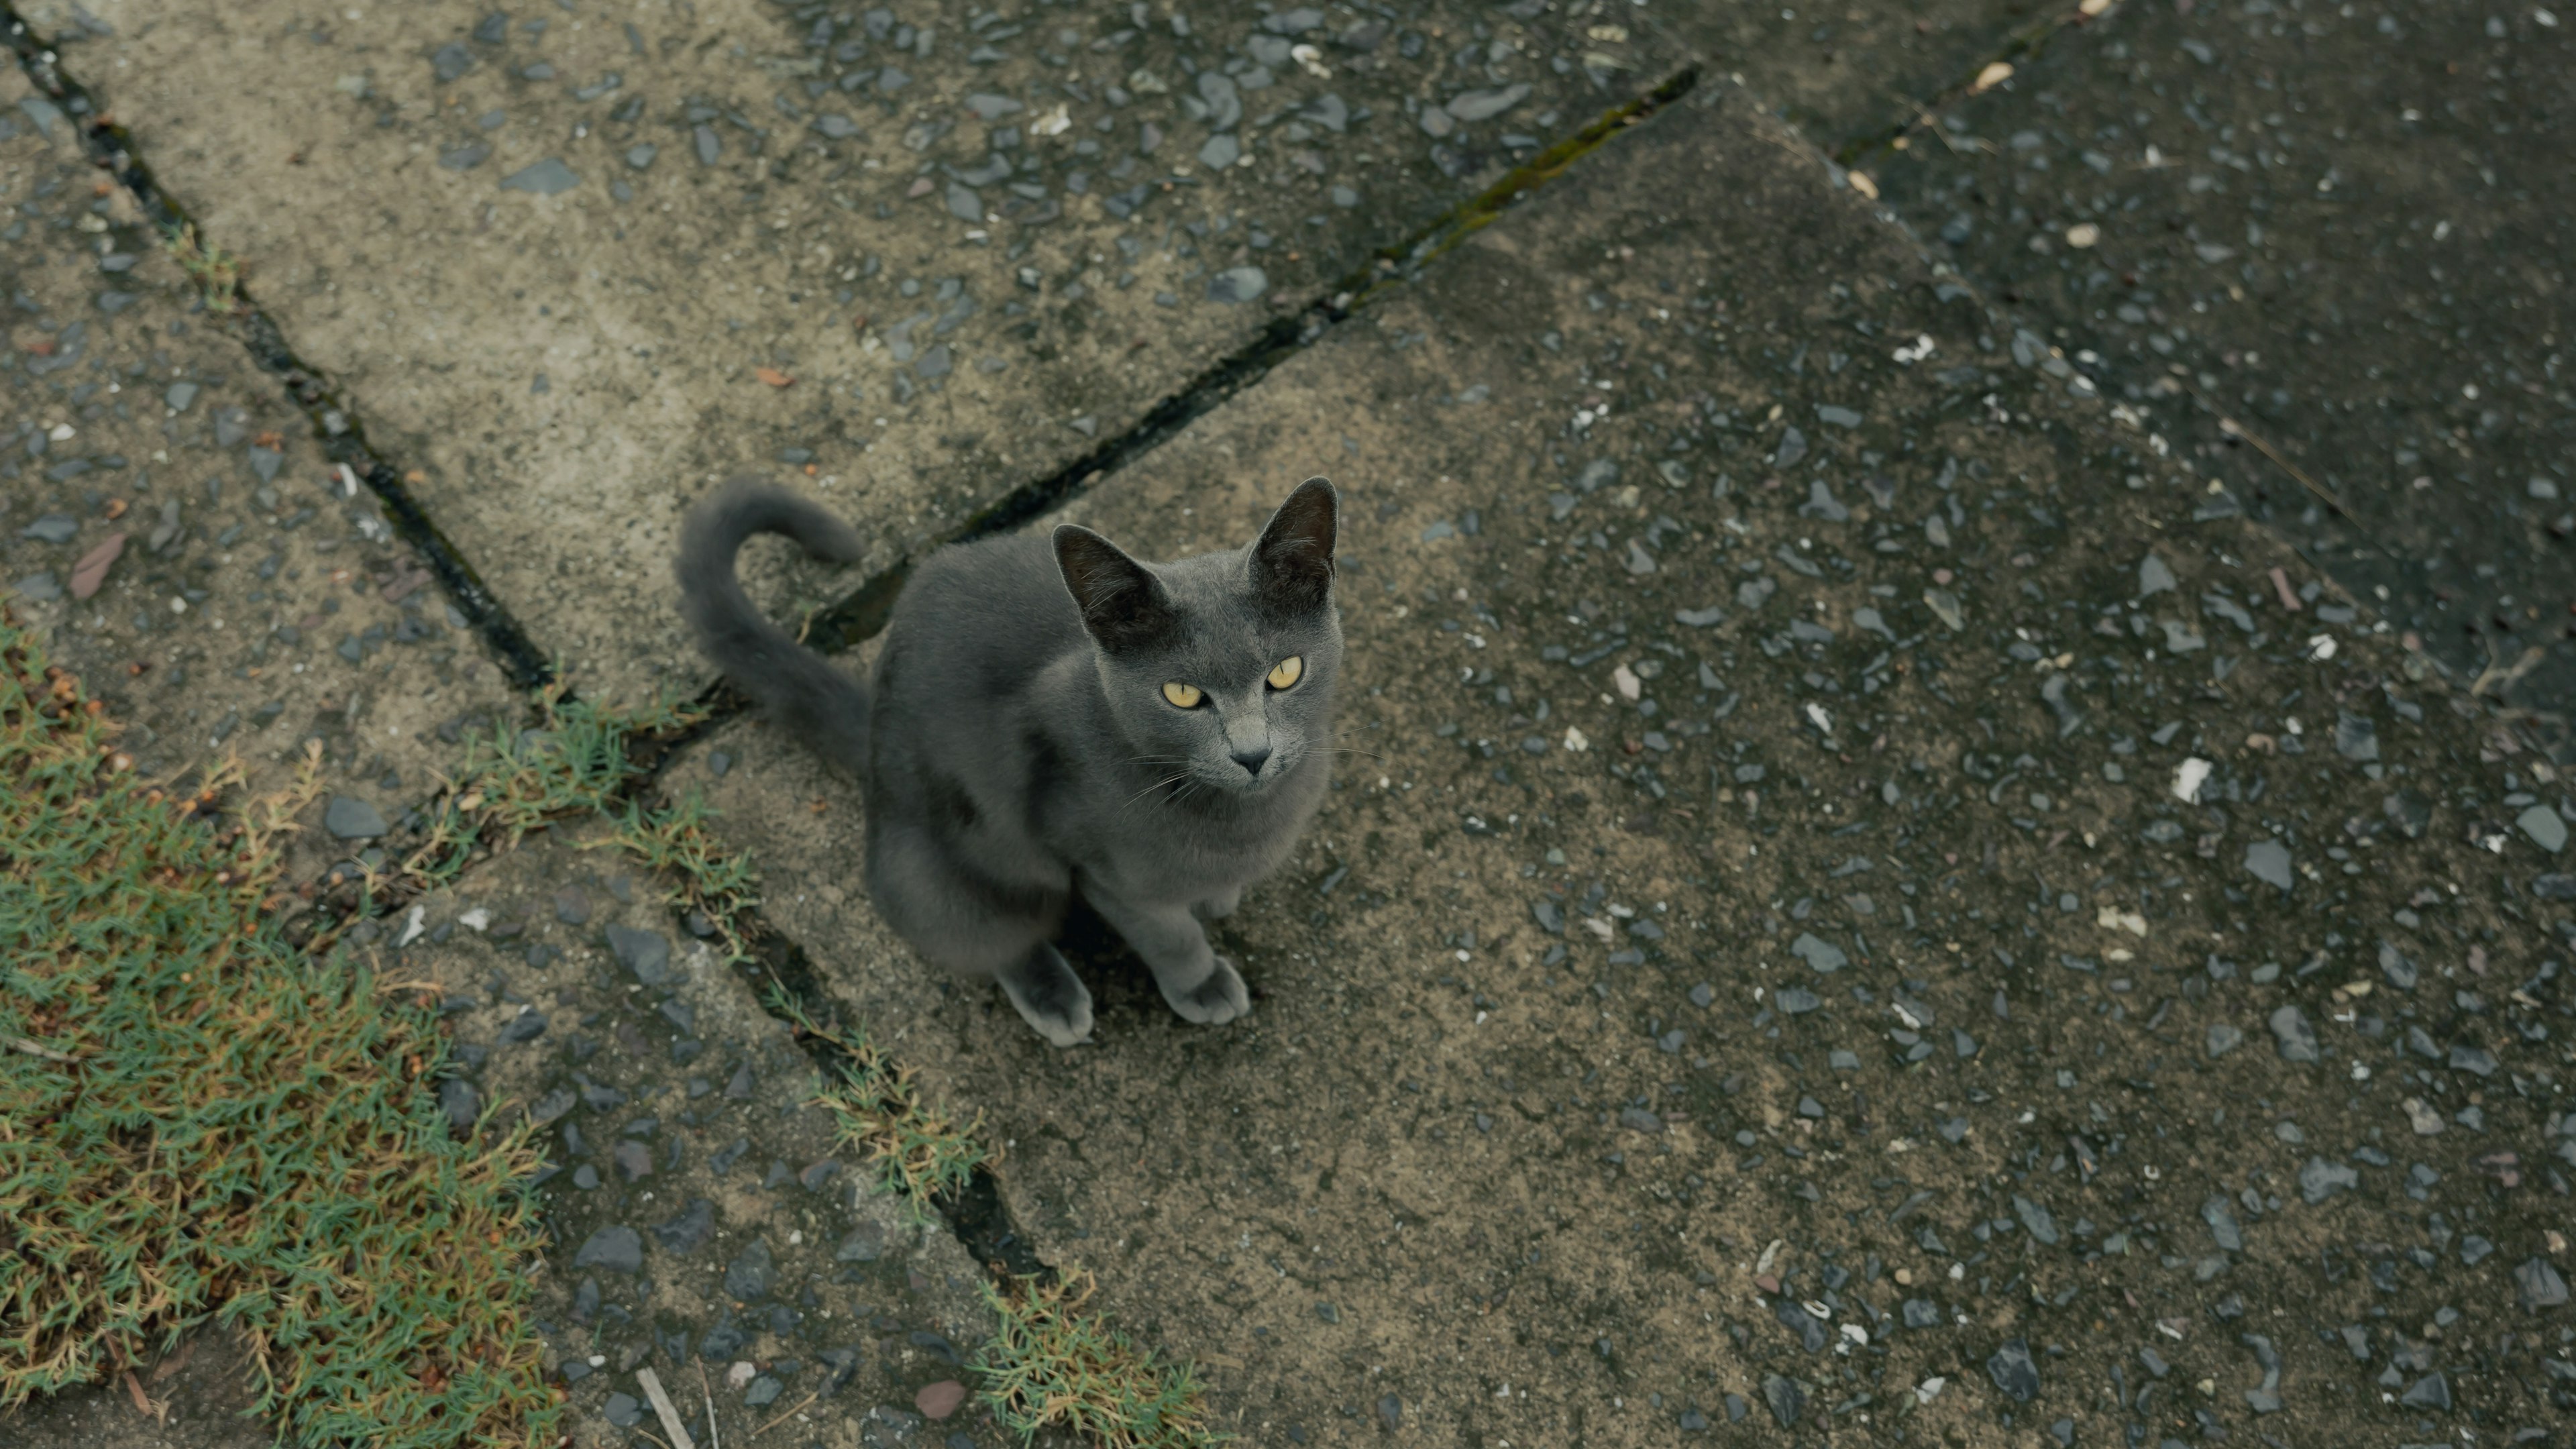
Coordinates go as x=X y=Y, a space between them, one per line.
x=1015 y=747
x=822 y=706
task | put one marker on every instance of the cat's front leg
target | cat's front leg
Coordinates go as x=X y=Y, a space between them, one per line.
x=1218 y=907
x=1201 y=985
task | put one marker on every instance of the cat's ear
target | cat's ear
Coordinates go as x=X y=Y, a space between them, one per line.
x=1292 y=565
x=1122 y=603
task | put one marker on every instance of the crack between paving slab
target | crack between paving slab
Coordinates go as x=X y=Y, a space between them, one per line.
x=344 y=441
x=2023 y=44
x=975 y=1214
x=859 y=615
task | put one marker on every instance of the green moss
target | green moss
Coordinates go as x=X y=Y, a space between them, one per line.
x=705 y=877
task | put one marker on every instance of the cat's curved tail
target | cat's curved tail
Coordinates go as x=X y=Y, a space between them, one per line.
x=825 y=708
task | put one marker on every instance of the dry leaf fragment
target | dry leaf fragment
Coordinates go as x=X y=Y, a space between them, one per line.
x=1861 y=183
x=91 y=571
x=1995 y=74
x=143 y=1402
x=772 y=376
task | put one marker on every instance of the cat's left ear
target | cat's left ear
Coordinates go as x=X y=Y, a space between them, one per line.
x=1292 y=565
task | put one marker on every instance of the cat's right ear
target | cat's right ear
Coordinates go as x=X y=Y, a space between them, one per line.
x=1122 y=603
x=1292 y=561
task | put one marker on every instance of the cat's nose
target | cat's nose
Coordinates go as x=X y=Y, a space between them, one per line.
x=1253 y=759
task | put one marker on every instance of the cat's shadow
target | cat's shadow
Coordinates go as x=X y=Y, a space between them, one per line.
x=1121 y=985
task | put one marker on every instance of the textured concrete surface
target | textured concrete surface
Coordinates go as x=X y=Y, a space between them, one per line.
x=197 y=1396
x=2345 y=230
x=252 y=605
x=702 y=1214
x=1595 y=1094
x=577 y=265
x=1891 y=880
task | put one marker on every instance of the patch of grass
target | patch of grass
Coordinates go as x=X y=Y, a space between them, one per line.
x=574 y=761
x=1053 y=1364
x=217 y=273
x=914 y=1148
x=197 y=1120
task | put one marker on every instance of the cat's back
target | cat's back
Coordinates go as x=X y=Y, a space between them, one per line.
x=986 y=616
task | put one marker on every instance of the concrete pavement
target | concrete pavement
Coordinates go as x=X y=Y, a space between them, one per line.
x=1756 y=969
x=1756 y=875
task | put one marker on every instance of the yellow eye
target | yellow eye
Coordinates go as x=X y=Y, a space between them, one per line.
x=1186 y=696
x=1287 y=672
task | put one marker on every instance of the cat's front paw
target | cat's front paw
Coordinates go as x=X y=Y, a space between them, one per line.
x=1217 y=908
x=1213 y=1002
x=1050 y=998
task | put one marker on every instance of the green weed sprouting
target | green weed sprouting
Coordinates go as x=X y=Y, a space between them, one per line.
x=216 y=273
x=708 y=879
x=914 y=1149
x=199 y=1121
x=1052 y=1364
x=574 y=761
x=578 y=762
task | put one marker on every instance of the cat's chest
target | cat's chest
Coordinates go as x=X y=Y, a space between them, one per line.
x=1197 y=857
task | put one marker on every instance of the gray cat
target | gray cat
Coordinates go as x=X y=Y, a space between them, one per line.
x=1050 y=716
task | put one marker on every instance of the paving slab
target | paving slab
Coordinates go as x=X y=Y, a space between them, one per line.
x=578 y=263
x=702 y=1217
x=171 y=531
x=1865 y=899
x=2345 y=232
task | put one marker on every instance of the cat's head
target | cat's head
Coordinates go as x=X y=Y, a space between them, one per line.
x=1219 y=668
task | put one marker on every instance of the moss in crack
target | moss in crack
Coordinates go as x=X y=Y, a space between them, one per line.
x=711 y=886
x=1474 y=215
x=577 y=760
